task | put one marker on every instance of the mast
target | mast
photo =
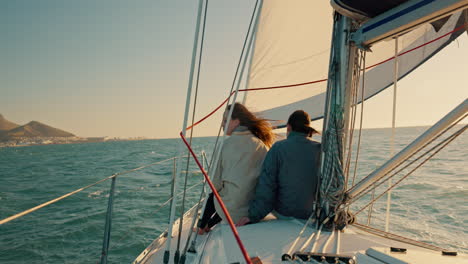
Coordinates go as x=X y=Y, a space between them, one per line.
x=394 y=22
x=334 y=126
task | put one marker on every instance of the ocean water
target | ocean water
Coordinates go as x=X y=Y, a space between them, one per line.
x=431 y=205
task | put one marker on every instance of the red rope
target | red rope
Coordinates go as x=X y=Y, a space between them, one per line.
x=323 y=80
x=420 y=46
x=231 y=223
x=282 y=86
x=210 y=114
x=251 y=89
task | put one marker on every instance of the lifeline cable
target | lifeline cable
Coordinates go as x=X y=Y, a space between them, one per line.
x=18 y=215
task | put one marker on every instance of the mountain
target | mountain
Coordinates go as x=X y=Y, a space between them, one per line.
x=6 y=125
x=36 y=129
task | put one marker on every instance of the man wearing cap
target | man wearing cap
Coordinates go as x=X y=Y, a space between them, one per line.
x=288 y=183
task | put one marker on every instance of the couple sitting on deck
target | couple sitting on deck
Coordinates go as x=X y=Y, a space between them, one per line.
x=253 y=181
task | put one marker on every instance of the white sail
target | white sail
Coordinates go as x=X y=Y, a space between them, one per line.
x=285 y=57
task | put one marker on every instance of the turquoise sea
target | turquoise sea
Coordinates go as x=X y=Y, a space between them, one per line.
x=431 y=205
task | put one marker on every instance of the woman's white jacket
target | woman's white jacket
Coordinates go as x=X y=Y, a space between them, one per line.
x=237 y=171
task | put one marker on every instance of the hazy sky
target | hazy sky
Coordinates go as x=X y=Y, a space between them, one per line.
x=120 y=68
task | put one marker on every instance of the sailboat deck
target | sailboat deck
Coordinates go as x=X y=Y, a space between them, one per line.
x=270 y=239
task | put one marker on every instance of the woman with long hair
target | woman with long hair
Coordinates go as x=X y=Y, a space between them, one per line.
x=238 y=166
x=289 y=180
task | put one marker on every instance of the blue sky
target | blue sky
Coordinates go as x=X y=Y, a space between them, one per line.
x=120 y=68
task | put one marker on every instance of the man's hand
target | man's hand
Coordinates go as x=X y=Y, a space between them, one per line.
x=243 y=221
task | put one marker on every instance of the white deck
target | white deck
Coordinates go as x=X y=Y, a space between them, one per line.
x=269 y=240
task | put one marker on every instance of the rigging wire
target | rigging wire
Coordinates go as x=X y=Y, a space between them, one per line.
x=237 y=77
x=191 y=131
x=217 y=149
x=370 y=187
x=366 y=190
x=354 y=87
x=167 y=251
x=195 y=216
x=231 y=92
x=437 y=148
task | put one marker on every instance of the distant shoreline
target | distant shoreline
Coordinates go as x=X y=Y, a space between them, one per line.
x=66 y=142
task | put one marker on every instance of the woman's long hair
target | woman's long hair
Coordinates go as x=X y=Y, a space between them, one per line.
x=300 y=122
x=259 y=127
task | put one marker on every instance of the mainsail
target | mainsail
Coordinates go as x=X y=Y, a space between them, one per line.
x=285 y=57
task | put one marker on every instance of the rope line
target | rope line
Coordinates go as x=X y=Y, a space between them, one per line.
x=357 y=68
x=18 y=215
x=290 y=251
x=361 y=118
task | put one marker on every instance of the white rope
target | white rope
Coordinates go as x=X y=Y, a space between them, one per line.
x=325 y=246
x=354 y=95
x=358 y=148
x=317 y=238
x=338 y=242
x=307 y=242
x=300 y=235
